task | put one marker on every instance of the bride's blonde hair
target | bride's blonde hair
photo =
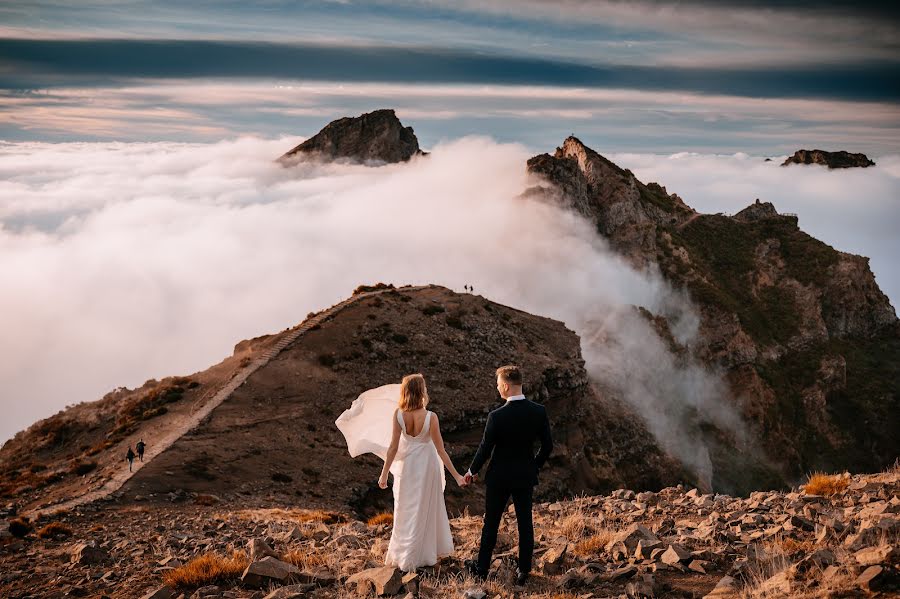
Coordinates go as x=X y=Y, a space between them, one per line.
x=413 y=394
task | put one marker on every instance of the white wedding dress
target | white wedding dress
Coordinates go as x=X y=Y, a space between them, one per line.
x=421 y=533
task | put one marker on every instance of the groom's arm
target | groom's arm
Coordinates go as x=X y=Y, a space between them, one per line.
x=546 y=442
x=486 y=447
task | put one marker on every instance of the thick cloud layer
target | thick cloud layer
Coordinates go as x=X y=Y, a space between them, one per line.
x=121 y=262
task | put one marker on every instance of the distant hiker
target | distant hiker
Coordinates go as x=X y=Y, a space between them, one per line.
x=140 y=448
x=130 y=457
x=466 y=287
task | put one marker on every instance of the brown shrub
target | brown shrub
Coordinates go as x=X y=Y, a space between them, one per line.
x=375 y=287
x=826 y=484
x=207 y=569
x=19 y=527
x=383 y=518
x=54 y=528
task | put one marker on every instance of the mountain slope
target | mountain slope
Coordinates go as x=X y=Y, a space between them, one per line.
x=803 y=332
x=273 y=439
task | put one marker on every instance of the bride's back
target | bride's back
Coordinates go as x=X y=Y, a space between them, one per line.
x=414 y=420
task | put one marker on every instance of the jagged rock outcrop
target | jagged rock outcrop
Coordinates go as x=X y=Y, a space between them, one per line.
x=803 y=332
x=376 y=136
x=757 y=211
x=624 y=210
x=839 y=159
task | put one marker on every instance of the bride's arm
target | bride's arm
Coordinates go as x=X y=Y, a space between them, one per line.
x=391 y=453
x=439 y=445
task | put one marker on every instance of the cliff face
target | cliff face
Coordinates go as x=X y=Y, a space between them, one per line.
x=802 y=331
x=376 y=136
x=839 y=159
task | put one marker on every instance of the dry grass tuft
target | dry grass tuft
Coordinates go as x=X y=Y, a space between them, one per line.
x=592 y=545
x=53 y=529
x=792 y=546
x=306 y=558
x=383 y=518
x=207 y=569
x=826 y=484
x=576 y=526
x=323 y=516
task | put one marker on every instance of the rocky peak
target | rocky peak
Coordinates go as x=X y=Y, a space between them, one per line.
x=625 y=210
x=376 y=136
x=840 y=159
x=757 y=211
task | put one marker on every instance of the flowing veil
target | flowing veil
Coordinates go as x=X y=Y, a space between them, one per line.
x=367 y=424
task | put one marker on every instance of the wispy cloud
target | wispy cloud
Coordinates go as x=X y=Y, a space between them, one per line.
x=47 y=63
x=538 y=116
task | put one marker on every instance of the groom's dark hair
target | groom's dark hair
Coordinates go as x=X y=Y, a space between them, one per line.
x=511 y=374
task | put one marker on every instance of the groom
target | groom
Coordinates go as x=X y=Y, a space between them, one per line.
x=509 y=437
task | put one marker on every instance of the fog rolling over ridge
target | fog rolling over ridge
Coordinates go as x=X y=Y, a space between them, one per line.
x=142 y=260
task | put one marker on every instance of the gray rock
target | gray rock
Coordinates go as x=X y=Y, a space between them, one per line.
x=726 y=588
x=89 y=553
x=883 y=554
x=268 y=570
x=384 y=581
x=258 y=549
x=675 y=554
x=630 y=538
x=294 y=591
x=554 y=559
x=163 y=592
x=872 y=578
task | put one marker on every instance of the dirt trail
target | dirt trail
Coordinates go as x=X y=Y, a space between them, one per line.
x=191 y=421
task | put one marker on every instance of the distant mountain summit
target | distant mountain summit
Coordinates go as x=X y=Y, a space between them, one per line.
x=840 y=159
x=376 y=136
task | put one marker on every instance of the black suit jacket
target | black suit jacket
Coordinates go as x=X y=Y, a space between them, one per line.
x=509 y=437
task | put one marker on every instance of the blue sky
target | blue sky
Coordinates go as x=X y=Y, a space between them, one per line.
x=764 y=78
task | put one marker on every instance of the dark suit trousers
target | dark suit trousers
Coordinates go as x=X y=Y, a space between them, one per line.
x=496 y=498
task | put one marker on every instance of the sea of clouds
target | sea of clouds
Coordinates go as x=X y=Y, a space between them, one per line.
x=121 y=262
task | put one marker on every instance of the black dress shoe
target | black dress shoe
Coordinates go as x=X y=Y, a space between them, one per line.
x=472 y=568
x=521 y=577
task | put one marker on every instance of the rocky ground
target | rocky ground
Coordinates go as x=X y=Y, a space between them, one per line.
x=842 y=542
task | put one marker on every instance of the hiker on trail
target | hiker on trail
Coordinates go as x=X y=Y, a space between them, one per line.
x=130 y=457
x=140 y=449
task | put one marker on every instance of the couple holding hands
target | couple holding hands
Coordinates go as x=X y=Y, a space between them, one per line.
x=410 y=443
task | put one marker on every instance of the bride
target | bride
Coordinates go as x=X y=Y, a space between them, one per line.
x=393 y=423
